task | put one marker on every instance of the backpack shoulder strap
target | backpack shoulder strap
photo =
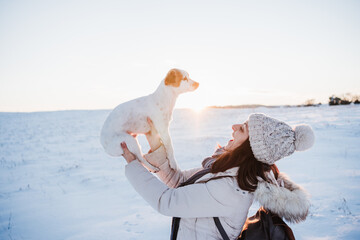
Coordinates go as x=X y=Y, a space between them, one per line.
x=195 y=177
x=176 y=220
x=221 y=229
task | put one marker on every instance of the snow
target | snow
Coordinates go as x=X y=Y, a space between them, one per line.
x=56 y=182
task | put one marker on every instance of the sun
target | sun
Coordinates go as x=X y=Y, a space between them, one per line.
x=195 y=104
x=198 y=108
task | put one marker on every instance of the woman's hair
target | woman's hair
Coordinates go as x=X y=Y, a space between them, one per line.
x=249 y=167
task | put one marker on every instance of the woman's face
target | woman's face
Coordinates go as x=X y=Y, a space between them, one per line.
x=240 y=134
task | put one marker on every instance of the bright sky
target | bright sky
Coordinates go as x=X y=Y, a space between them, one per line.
x=57 y=55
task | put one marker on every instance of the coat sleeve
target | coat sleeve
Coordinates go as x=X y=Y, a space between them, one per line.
x=191 y=201
x=171 y=177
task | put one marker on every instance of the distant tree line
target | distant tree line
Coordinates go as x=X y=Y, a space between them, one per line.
x=310 y=103
x=345 y=99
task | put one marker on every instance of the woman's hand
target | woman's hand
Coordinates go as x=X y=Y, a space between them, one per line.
x=129 y=157
x=153 y=137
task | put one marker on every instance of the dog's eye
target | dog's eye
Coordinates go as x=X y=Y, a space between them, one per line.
x=186 y=79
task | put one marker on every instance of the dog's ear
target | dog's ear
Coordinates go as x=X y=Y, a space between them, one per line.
x=173 y=78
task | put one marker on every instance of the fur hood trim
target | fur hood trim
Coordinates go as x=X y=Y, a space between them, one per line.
x=285 y=198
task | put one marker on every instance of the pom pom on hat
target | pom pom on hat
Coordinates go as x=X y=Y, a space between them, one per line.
x=304 y=137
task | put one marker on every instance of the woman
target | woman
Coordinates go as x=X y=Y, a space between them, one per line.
x=239 y=172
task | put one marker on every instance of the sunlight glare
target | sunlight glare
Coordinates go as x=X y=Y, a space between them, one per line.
x=197 y=108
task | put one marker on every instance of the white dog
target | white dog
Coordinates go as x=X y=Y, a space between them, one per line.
x=132 y=116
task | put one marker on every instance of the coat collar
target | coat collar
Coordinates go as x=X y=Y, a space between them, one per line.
x=286 y=199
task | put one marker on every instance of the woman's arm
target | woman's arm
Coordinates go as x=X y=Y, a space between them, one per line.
x=158 y=158
x=214 y=198
x=171 y=177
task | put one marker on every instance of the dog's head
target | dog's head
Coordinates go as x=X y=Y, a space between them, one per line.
x=180 y=81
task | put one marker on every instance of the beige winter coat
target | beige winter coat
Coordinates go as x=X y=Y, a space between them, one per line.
x=221 y=197
x=196 y=204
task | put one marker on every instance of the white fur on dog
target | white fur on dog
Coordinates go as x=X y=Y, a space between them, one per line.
x=132 y=116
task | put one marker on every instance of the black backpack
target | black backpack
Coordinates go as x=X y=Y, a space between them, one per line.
x=263 y=225
x=266 y=225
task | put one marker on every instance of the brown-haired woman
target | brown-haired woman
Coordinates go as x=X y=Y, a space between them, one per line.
x=238 y=173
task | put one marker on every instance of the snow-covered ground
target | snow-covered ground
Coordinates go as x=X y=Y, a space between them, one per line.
x=56 y=182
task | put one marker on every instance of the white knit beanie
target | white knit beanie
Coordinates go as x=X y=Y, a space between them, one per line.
x=271 y=139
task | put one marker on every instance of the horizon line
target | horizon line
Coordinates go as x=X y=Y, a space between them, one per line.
x=242 y=106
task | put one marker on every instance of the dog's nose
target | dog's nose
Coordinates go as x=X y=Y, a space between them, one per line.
x=195 y=85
